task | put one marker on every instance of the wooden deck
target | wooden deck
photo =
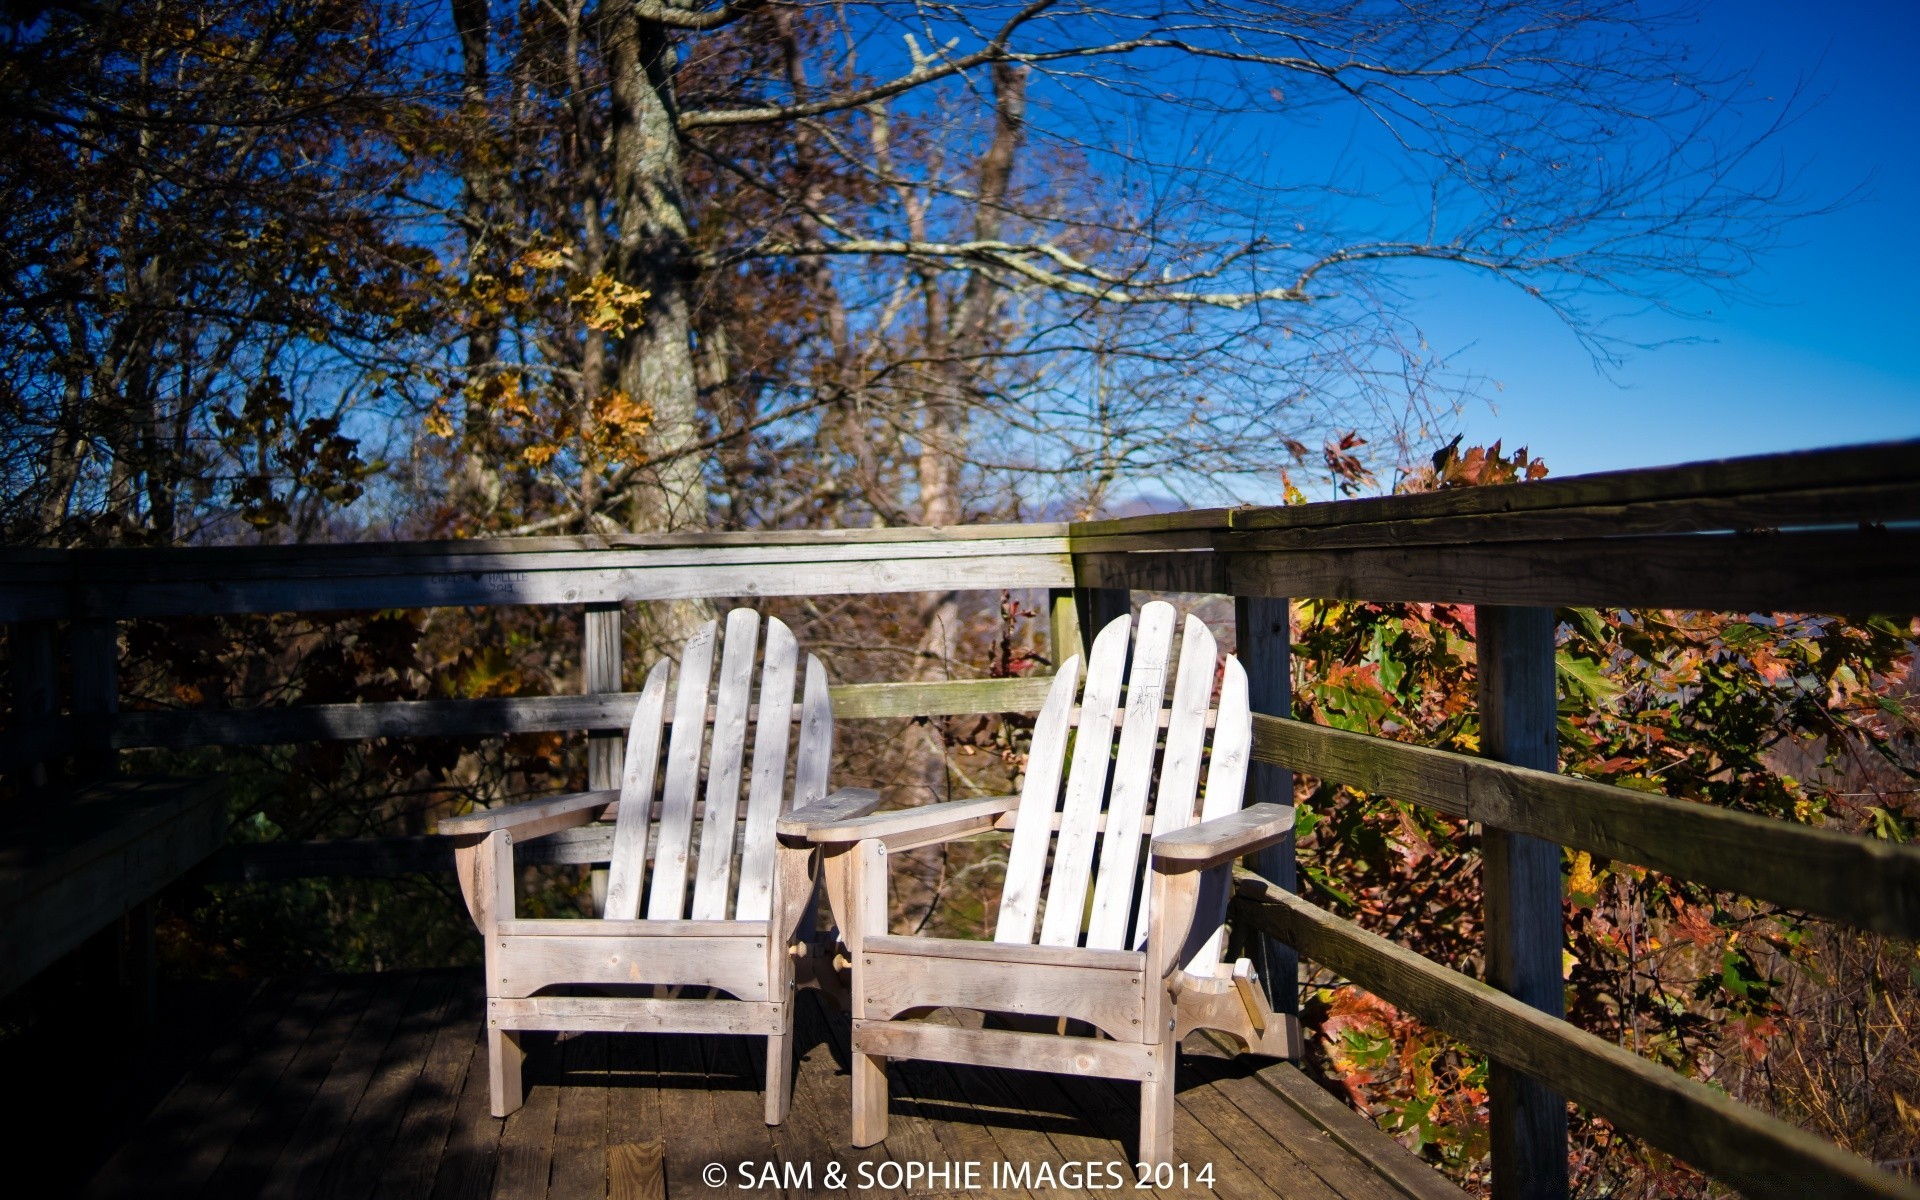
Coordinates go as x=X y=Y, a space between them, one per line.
x=375 y=1086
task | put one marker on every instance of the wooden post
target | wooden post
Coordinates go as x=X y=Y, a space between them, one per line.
x=1063 y=635
x=1263 y=633
x=1098 y=607
x=606 y=751
x=95 y=647
x=1525 y=933
x=35 y=684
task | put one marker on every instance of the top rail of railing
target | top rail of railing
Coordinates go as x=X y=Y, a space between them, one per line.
x=1825 y=530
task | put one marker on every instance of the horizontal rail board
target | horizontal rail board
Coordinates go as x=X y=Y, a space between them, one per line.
x=530 y=714
x=1788 y=572
x=1758 y=475
x=458 y=561
x=1756 y=1153
x=36 y=743
x=389 y=857
x=1832 y=508
x=1862 y=881
x=579 y=585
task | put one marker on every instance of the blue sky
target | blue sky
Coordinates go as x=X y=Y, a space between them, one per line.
x=1826 y=356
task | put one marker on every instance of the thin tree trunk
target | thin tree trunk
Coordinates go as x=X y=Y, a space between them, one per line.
x=481 y=485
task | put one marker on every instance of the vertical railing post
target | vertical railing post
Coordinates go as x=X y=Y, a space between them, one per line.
x=1063 y=627
x=1098 y=608
x=1263 y=636
x=1525 y=933
x=606 y=749
x=95 y=648
x=36 y=685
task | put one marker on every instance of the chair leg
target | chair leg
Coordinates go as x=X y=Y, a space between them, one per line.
x=1156 y=1107
x=869 y=1098
x=503 y=1070
x=779 y=1075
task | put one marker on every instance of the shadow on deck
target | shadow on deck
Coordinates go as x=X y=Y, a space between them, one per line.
x=376 y=1086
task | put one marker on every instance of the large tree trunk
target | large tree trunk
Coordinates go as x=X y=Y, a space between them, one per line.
x=654 y=362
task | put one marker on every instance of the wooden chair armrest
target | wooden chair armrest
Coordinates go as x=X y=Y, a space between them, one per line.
x=1222 y=839
x=516 y=815
x=937 y=822
x=840 y=806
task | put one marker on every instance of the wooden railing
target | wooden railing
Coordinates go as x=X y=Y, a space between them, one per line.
x=1829 y=531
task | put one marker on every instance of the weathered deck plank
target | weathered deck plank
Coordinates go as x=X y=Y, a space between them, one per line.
x=376 y=1087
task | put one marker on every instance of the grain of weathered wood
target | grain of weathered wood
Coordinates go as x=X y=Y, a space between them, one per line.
x=523 y=714
x=1263 y=637
x=627 y=873
x=1327 y=1120
x=154 y=1151
x=1758 y=1154
x=666 y=894
x=35 y=688
x=586 y=583
x=699 y=1097
x=1859 y=880
x=1830 y=507
x=1275 y=1167
x=71 y=869
x=1197 y=571
x=288 y=1086
x=526 y=1135
x=1085 y=787
x=1883 y=463
x=580 y=1131
x=638 y=1170
x=1824 y=572
x=1230 y=835
x=766 y=792
x=321 y=1134
x=1027 y=857
x=457 y=559
x=472 y=1150
x=1525 y=931
x=1117 y=884
x=406 y=1172
x=726 y=759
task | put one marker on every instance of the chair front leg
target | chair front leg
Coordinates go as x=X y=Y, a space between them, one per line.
x=485 y=866
x=865 y=896
x=794 y=868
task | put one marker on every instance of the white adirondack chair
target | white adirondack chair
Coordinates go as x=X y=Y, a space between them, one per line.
x=739 y=940
x=1140 y=959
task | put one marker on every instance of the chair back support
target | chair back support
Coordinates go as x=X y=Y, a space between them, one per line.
x=1120 y=781
x=669 y=842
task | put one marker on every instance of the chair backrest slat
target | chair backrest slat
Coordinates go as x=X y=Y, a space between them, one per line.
x=713 y=878
x=1060 y=923
x=1226 y=792
x=666 y=901
x=815 y=757
x=1033 y=821
x=765 y=789
x=1186 y=746
x=1117 y=883
x=1056 y=857
x=627 y=872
